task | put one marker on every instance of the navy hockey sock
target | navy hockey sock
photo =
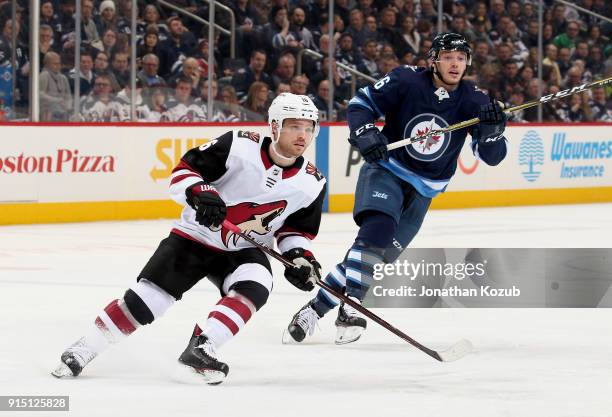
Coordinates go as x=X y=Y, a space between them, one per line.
x=359 y=266
x=324 y=301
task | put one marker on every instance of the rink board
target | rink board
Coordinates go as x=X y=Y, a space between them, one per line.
x=59 y=173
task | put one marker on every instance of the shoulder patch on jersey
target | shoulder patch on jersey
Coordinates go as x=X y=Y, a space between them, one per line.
x=254 y=136
x=314 y=171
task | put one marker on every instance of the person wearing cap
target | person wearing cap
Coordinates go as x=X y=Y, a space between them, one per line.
x=107 y=19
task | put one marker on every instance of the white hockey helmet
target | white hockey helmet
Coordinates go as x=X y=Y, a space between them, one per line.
x=292 y=106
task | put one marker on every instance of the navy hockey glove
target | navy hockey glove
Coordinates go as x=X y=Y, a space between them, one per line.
x=371 y=143
x=204 y=199
x=492 y=123
x=306 y=270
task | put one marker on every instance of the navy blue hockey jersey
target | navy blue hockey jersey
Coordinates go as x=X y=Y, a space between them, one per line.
x=412 y=104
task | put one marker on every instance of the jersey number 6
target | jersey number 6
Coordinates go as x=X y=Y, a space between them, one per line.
x=381 y=82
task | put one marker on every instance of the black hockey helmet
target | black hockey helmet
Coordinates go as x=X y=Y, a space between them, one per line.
x=449 y=42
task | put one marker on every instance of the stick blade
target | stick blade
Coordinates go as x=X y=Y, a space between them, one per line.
x=456 y=351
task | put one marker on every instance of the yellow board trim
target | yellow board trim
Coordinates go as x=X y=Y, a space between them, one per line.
x=29 y=213
x=33 y=213
x=472 y=199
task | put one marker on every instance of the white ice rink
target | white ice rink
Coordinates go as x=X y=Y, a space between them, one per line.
x=54 y=279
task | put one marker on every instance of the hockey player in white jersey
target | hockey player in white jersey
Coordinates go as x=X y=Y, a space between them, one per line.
x=262 y=185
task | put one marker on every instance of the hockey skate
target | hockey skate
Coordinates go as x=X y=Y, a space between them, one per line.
x=200 y=356
x=350 y=324
x=302 y=324
x=74 y=359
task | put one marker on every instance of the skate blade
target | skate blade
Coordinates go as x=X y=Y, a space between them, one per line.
x=62 y=371
x=209 y=376
x=288 y=339
x=346 y=335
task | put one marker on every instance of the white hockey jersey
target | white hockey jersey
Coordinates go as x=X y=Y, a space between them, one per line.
x=179 y=112
x=94 y=110
x=263 y=199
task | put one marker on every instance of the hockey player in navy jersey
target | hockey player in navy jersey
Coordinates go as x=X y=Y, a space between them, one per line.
x=395 y=188
x=263 y=186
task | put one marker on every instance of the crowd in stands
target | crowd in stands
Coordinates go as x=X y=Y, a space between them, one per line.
x=372 y=36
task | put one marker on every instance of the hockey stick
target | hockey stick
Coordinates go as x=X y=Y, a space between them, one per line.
x=456 y=351
x=543 y=100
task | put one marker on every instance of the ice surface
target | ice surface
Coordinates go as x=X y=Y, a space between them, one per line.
x=54 y=279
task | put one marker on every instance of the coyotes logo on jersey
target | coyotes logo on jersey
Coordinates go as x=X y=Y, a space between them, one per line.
x=252 y=217
x=312 y=170
x=254 y=136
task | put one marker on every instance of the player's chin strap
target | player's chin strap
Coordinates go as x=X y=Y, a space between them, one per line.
x=290 y=161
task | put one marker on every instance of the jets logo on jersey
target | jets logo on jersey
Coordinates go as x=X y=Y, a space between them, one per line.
x=249 y=135
x=432 y=147
x=441 y=93
x=252 y=217
x=312 y=170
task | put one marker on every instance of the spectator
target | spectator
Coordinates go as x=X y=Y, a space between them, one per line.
x=121 y=68
x=387 y=63
x=599 y=108
x=563 y=61
x=368 y=64
x=387 y=31
x=46 y=43
x=595 y=62
x=86 y=76
x=257 y=100
x=55 y=97
x=530 y=37
x=50 y=18
x=182 y=107
x=371 y=27
x=109 y=40
x=304 y=35
x=244 y=77
x=357 y=28
x=190 y=70
x=151 y=19
x=299 y=84
x=177 y=47
x=229 y=106
x=428 y=12
x=570 y=37
x=594 y=37
x=100 y=106
x=578 y=109
x=156 y=102
x=282 y=88
x=148 y=75
x=581 y=51
x=321 y=98
x=282 y=37
x=124 y=98
x=107 y=18
x=551 y=61
x=89 y=32
x=410 y=36
x=285 y=69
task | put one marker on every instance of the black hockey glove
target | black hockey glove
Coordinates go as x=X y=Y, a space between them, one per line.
x=204 y=199
x=371 y=143
x=306 y=270
x=492 y=124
